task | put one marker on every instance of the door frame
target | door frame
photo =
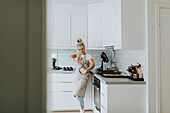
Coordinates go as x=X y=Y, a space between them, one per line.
x=158 y=7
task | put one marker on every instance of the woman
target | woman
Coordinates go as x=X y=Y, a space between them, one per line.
x=84 y=64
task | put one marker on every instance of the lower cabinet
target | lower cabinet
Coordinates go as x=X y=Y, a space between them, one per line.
x=123 y=98
x=62 y=87
x=63 y=101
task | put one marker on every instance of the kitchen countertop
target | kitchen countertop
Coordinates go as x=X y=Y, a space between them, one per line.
x=117 y=80
x=62 y=71
x=105 y=80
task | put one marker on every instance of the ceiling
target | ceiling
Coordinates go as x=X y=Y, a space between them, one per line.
x=78 y=1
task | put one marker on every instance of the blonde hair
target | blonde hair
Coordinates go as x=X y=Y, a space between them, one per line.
x=80 y=42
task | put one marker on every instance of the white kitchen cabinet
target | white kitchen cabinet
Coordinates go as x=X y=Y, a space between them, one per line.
x=61 y=30
x=111 y=23
x=63 y=101
x=124 y=23
x=121 y=23
x=78 y=28
x=67 y=28
x=123 y=98
x=94 y=30
x=62 y=87
x=69 y=24
x=94 y=26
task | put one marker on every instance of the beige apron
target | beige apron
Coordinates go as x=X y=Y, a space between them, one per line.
x=81 y=80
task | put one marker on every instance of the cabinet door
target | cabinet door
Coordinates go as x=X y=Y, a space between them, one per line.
x=78 y=28
x=63 y=101
x=61 y=30
x=111 y=23
x=62 y=93
x=126 y=97
x=94 y=30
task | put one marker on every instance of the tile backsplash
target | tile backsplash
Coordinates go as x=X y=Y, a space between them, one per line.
x=125 y=58
x=63 y=56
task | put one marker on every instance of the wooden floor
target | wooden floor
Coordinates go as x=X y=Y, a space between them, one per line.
x=89 y=111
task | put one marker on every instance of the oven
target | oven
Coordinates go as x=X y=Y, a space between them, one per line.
x=96 y=85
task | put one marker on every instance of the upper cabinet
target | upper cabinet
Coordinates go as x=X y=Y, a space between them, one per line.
x=95 y=26
x=121 y=23
x=78 y=28
x=69 y=24
x=61 y=30
x=111 y=23
x=124 y=23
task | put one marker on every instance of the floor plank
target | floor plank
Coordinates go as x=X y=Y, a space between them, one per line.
x=89 y=111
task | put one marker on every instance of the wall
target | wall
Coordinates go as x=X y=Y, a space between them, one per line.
x=21 y=56
x=125 y=58
x=133 y=24
x=151 y=54
x=63 y=57
x=12 y=56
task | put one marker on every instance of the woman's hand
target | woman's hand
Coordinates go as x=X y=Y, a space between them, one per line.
x=84 y=72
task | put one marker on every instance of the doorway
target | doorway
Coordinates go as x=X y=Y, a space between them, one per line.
x=163 y=55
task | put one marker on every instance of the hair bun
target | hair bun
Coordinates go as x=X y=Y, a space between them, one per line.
x=79 y=40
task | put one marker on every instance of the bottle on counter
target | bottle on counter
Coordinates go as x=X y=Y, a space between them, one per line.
x=141 y=73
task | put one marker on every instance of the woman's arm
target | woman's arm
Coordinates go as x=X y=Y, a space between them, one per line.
x=72 y=57
x=92 y=65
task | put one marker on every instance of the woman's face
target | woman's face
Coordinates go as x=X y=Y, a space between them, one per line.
x=81 y=49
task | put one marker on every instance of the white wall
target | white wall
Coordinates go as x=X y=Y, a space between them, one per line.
x=21 y=56
x=125 y=58
x=134 y=23
x=152 y=54
x=63 y=57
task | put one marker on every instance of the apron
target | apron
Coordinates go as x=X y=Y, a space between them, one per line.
x=81 y=81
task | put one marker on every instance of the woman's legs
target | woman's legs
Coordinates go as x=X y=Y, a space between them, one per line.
x=81 y=100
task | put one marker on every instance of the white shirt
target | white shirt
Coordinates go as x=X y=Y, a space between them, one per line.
x=88 y=56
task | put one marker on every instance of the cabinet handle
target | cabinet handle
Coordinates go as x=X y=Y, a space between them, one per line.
x=67 y=72
x=95 y=86
x=66 y=91
x=103 y=94
x=103 y=107
x=66 y=82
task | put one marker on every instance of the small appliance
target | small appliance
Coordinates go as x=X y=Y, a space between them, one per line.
x=101 y=70
x=104 y=61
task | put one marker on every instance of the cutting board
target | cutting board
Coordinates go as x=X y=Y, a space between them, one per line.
x=113 y=75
